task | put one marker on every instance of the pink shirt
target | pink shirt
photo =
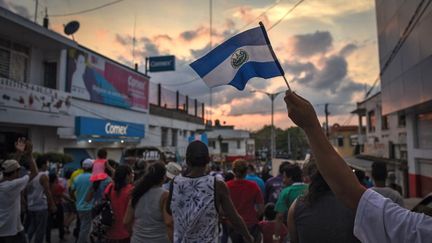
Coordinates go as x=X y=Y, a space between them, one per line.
x=119 y=203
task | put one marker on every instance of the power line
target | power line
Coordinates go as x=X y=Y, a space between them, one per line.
x=286 y=14
x=415 y=18
x=86 y=10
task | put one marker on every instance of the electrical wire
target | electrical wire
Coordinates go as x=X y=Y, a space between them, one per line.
x=86 y=10
x=286 y=14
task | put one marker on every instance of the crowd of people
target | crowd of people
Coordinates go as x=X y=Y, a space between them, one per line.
x=103 y=201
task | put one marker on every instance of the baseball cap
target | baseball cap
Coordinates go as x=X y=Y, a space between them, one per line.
x=172 y=169
x=87 y=164
x=10 y=165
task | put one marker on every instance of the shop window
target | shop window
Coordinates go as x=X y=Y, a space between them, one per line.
x=164 y=137
x=340 y=141
x=224 y=148
x=371 y=121
x=50 y=75
x=424 y=130
x=174 y=137
x=384 y=123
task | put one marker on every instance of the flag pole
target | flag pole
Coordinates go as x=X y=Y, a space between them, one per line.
x=273 y=53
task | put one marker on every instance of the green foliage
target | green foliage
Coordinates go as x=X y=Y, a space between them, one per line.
x=59 y=157
x=298 y=141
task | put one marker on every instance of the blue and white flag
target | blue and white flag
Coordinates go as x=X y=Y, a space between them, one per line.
x=240 y=58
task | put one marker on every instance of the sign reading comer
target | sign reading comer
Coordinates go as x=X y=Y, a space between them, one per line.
x=161 y=63
x=87 y=127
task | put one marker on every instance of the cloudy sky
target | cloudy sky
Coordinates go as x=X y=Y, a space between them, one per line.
x=328 y=47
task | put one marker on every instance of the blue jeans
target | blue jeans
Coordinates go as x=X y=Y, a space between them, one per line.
x=85 y=218
x=36 y=225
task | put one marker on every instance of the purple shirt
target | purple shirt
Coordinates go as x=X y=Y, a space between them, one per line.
x=273 y=187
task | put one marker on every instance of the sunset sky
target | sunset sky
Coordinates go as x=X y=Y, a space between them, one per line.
x=330 y=47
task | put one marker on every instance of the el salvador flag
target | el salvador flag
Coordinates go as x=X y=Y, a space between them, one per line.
x=240 y=58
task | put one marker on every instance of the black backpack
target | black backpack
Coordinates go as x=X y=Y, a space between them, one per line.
x=103 y=211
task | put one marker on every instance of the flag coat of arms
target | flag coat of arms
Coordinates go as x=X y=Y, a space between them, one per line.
x=237 y=60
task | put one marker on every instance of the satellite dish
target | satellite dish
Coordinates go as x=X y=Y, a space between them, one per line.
x=71 y=28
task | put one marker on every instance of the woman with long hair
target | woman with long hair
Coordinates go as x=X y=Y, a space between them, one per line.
x=146 y=210
x=319 y=216
x=119 y=193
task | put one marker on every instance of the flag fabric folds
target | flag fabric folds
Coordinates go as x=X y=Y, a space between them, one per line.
x=237 y=60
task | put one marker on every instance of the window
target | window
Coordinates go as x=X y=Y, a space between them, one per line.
x=224 y=148
x=340 y=141
x=384 y=123
x=13 y=61
x=212 y=144
x=371 y=121
x=401 y=120
x=424 y=130
x=164 y=137
x=238 y=144
x=174 y=137
x=50 y=75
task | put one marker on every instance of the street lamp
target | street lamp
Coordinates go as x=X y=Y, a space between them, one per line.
x=272 y=97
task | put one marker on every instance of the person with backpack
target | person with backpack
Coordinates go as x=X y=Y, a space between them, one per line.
x=119 y=193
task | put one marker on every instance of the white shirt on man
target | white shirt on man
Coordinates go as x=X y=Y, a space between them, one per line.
x=10 y=206
x=378 y=219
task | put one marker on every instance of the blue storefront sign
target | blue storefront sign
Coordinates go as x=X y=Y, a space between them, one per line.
x=87 y=127
x=161 y=63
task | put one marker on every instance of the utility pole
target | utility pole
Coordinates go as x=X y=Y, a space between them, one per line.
x=272 y=97
x=36 y=11
x=326 y=119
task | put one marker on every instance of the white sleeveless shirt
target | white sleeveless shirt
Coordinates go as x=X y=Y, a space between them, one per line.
x=36 y=198
x=194 y=210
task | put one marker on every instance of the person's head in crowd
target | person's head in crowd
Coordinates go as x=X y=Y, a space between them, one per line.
x=269 y=212
x=87 y=165
x=361 y=177
x=197 y=154
x=292 y=174
x=81 y=162
x=10 y=169
x=42 y=162
x=123 y=176
x=215 y=167
x=113 y=165
x=265 y=170
x=172 y=170
x=68 y=174
x=391 y=177
x=309 y=169
x=53 y=178
x=102 y=154
x=282 y=166
x=240 y=168
x=155 y=175
x=379 y=173
x=229 y=175
x=140 y=168
x=251 y=169
x=317 y=186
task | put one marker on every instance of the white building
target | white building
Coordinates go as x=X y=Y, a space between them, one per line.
x=406 y=85
x=227 y=144
x=69 y=99
x=384 y=139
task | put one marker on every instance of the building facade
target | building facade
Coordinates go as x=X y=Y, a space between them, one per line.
x=406 y=84
x=227 y=144
x=344 y=139
x=69 y=99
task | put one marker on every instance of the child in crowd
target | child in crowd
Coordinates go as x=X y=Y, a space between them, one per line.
x=267 y=226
